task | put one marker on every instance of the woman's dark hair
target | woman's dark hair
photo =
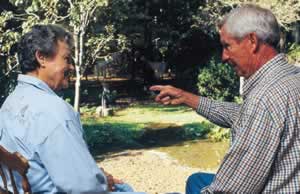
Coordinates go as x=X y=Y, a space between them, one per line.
x=42 y=38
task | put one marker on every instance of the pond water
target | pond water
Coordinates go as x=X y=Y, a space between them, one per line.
x=202 y=154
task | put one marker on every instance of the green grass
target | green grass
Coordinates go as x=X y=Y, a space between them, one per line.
x=151 y=113
x=138 y=123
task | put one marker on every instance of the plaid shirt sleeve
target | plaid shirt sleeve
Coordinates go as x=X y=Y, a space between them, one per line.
x=247 y=165
x=220 y=113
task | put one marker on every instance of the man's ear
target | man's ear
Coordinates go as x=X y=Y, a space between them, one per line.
x=254 y=42
x=40 y=58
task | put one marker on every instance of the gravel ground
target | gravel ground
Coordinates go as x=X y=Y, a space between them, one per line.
x=149 y=171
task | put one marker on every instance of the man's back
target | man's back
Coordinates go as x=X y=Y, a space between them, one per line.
x=46 y=131
x=283 y=100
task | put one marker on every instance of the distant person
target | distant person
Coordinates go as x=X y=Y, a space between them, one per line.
x=264 y=156
x=45 y=129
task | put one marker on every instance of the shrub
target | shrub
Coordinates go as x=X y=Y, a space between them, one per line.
x=197 y=130
x=294 y=53
x=219 y=134
x=100 y=135
x=218 y=80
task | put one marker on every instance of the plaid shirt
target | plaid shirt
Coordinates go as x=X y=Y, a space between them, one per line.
x=264 y=156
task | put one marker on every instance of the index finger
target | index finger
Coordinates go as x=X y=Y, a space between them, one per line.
x=156 y=87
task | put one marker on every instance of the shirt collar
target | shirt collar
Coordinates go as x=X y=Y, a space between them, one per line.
x=263 y=72
x=27 y=79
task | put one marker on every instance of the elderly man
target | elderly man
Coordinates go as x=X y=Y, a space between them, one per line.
x=45 y=129
x=264 y=156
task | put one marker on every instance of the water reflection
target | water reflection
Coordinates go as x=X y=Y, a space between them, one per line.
x=201 y=153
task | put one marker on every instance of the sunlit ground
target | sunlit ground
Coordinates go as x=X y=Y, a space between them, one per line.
x=151 y=113
x=201 y=153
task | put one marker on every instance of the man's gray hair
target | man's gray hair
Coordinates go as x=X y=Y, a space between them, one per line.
x=251 y=18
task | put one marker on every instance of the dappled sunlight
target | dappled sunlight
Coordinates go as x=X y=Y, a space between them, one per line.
x=160 y=125
x=179 y=115
x=198 y=153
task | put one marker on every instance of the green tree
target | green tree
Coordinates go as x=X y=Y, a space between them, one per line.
x=209 y=13
x=79 y=16
x=183 y=32
x=218 y=80
x=286 y=11
x=8 y=62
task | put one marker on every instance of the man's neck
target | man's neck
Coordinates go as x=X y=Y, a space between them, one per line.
x=39 y=75
x=33 y=74
x=264 y=54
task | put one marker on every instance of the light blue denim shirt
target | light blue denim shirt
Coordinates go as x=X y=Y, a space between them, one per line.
x=46 y=130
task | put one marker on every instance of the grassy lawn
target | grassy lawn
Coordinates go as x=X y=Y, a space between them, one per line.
x=150 y=113
x=137 y=123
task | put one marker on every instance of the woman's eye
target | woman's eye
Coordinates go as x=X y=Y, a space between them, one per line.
x=69 y=60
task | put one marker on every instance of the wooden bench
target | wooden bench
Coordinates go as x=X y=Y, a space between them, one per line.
x=13 y=162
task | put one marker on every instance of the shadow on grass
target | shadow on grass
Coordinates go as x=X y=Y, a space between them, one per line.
x=162 y=108
x=118 y=136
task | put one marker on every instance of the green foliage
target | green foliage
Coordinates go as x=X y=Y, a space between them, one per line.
x=142 y=123
x=86 y=110
x=218 y=80
x=219 y=134
x=278 y=7
x=208 y=14
x=8 y=36
x=102 y=135
x=115 y=26
x=78 y=16
x=197 y=130
x=102 y=45
x=99 y=136
x=294 y=53
x=7 y=85
x=238 y=99
x=8 y=62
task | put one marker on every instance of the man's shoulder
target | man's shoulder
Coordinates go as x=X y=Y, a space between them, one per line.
x=277 y=90
x=285 y=86
x=34 y=113
x=37 y=101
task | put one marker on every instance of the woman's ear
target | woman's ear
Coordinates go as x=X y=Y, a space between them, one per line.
x=40 y=58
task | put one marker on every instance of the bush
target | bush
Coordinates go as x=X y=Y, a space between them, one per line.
x=294 y=53
x=218 y=81
x=197 y=130
x=219 y=134
x=99 y=136
x=7 y=85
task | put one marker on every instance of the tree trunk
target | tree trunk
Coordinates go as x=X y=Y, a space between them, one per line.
x=77 y=69
x=77 y=89
x=297 y=32
x=103 y=101
x=78 y=72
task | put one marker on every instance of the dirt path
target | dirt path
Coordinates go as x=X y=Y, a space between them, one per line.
x=149 y=171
